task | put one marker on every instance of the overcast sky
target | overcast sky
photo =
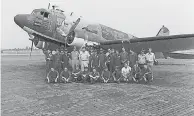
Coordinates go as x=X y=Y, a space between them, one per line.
x=141 y=18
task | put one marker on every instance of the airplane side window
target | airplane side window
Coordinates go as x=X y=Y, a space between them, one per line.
x=46 y=15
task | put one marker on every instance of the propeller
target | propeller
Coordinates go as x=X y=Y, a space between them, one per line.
x=31 y=49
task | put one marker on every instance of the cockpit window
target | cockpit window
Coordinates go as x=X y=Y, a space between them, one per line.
x=41 y=13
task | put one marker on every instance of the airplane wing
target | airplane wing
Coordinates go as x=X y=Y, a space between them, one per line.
x=158 y=43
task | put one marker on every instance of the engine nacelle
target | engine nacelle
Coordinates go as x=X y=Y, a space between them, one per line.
x=39 y=43
x=78 y=42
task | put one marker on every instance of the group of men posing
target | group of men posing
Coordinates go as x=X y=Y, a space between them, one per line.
x=90 y=66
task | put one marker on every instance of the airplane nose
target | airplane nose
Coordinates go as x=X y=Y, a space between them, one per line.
x=20 y=20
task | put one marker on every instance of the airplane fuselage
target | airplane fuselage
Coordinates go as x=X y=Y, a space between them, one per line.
x=51 y=29
x=43 y=23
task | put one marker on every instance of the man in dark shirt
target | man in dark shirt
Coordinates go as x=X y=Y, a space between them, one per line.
x=94 y=76
x=76 y=74
x=117 y=75
x=85 y=74
x=95 y=60
x=90 y=59
x=65 y=60
x=65 y=76
x=102 y=60
x=124 y=56
x=106 y=75
x=48 y=56
x=117 y=59
x=132 y=58
x=112 y=60
x=52 y=76
x=108 y=59
x=136 y=72
x=57 y=61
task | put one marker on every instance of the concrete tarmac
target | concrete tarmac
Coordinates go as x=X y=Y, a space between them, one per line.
x=24 y=92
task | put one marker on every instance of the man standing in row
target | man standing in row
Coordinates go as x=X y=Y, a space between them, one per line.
x=48 y=58
x=75 y=58
x=142 y=59
x=124 y=56
x=132 y=58
x=65 y=60
x=102 y=60
x=57 y=61
x=94 y=60
x=150 y=58
x=84 y=58
x=112 y=60
x=117 y=60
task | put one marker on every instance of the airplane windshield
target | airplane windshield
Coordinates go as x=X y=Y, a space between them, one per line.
x=34 y=12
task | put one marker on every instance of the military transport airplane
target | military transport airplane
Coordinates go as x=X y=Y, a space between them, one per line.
x=53 y=28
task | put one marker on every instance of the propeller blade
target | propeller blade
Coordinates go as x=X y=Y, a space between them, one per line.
x=48 y=5
x=31 y=49
x=73 y=26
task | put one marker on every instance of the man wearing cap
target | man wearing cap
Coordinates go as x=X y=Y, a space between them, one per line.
x=74 y=58
x=102 y=60
x=84 y=57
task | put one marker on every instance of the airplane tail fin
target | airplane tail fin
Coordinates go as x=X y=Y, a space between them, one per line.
x=164 y=31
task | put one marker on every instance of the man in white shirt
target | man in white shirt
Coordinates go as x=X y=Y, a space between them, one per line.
x=126 y=72
x=150 y=58
x=74 y=58
x=84 y=58
x=141 y=59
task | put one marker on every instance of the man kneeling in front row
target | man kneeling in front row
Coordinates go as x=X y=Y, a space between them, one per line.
x=65 y=76
x=94 y=76
x=52 y=76
x=117 y=75
x=126 y=72
x=106 y=75
x=85 y=75
x=76 y=75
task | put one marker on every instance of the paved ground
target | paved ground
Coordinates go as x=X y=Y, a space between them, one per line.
x=25 y=92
